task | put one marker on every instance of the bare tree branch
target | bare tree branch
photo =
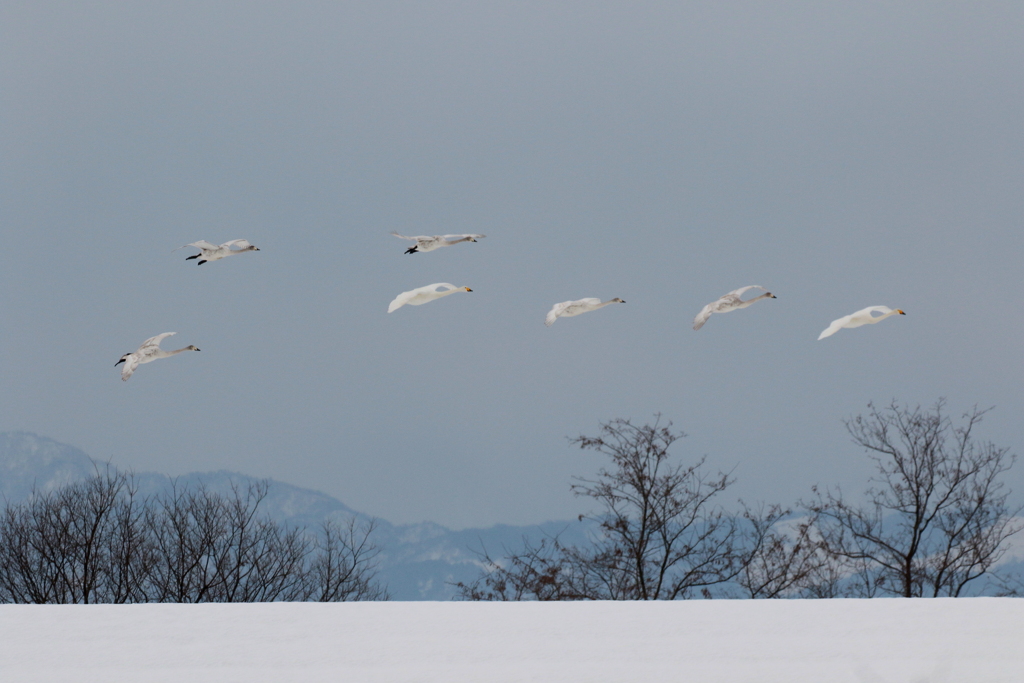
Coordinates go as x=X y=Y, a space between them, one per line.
x=662 y=536
x=936 y=516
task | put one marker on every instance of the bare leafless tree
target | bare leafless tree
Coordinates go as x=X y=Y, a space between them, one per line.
x=344 y=564
x=82 y=543
x=541 y=571
x=782 y=556
x=257 y=560
x=188 y=527
x=662 y=536
x=216 y=548
x=98 y=541
x=936 y=515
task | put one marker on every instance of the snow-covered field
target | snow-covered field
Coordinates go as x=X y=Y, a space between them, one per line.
x=910 y=641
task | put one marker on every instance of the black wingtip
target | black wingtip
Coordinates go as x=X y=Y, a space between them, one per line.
x=201 y=263
x=189 y=258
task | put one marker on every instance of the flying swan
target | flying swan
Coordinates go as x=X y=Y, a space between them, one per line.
x=212 y=252
x=729 y=302
x=568 y=309
x=861 y=317
x=430 y=243
x=423 y=295
x=148 y=352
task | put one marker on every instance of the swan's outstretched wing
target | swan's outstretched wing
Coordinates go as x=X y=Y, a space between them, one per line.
x=155 y=341
x=581 y=306
x=401 y=300
x=560 y=309
x=703 y=316
x=433 y=288
x=421 y=237
x=834 y=327
x=556 y=310
x=201 y=244
x=241 y=244
x=130 y=363
x=454 y=237
x=873 y=309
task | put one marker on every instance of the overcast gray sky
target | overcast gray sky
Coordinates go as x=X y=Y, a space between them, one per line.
x=840 y=154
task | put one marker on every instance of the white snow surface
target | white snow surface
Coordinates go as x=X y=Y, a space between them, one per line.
x=873 y=641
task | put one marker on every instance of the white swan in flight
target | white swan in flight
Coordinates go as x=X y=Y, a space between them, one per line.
x=729 y=302
x=861 y=317
x=422 y=295
x=213 y=252
x=430 y=243
x=567 y=309
x=148 y=352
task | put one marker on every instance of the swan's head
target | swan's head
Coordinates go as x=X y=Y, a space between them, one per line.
x=190 y=347
x=618 y=300
x=251 y=247
x=467 y=288
x=900 y=312
x=123 y=359
x=771 y=296
x=472 y=239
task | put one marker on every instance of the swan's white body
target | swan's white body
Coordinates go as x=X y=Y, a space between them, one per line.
x=729 y=302
x=214 y=252
x=422 y=295
x=148 y=352
x=861 y=317
x=568 y=309
x=432 y=242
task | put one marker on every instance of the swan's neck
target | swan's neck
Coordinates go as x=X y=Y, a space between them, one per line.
x=744 y=304
x=884 y=316
x=165 y=354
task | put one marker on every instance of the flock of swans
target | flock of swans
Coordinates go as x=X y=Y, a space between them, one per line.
x=150 y=349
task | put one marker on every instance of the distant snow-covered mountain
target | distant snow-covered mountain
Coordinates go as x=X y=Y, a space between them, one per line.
x=417 y=561
x=29 y=462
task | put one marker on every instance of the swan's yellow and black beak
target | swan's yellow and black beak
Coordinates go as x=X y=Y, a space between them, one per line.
x=900 y=312
x=468 y=289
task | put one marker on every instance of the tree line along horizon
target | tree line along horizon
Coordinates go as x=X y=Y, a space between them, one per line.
x=934 y=521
